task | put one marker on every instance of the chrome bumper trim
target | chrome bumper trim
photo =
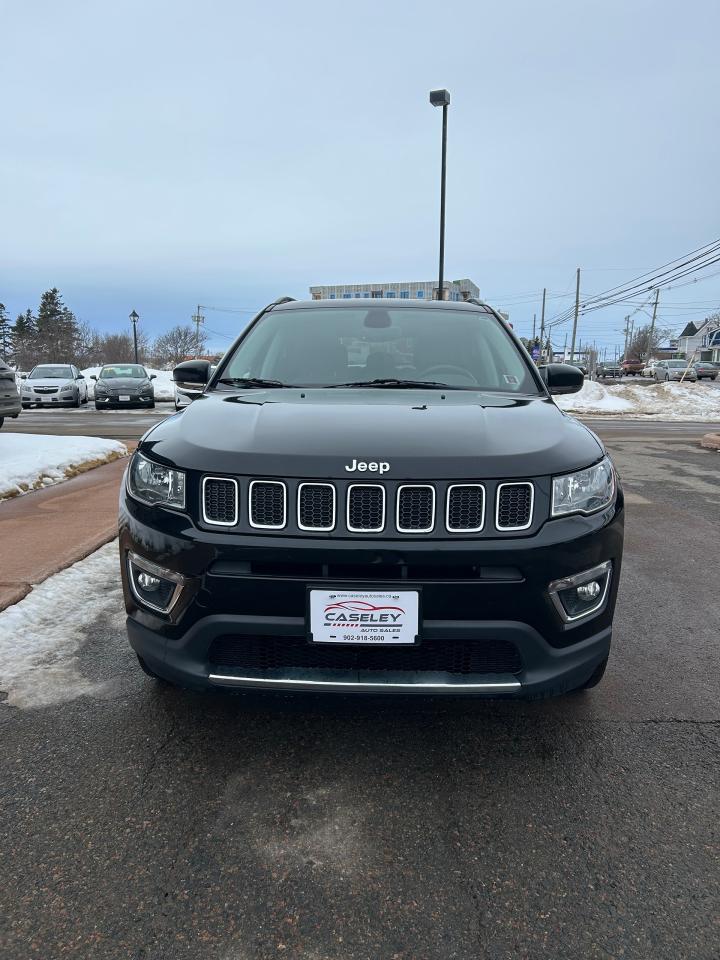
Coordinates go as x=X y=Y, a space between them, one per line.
x=288 y=683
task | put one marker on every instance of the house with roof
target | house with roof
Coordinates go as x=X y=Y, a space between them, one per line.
x=701 y=340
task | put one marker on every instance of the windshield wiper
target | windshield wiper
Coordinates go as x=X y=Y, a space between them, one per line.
x=250 y=382
x=393 y=382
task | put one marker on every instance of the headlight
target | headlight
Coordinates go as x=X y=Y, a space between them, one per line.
x=27 y=388
x=152 y=483
x=100 y=388
x=585 y=491
x=66 y=386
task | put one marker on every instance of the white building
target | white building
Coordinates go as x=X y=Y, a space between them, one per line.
x=406 y=290
x=701 y=340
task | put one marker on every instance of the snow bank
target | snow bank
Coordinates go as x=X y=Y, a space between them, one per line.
x=164 y=384
x=40 y=635
x=655 y=401
x=29 y=461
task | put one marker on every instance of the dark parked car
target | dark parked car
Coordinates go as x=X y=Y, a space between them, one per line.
x=124 y=385
x=706 y=370
x=10 y=405
x=366 y=497
x=608 y=370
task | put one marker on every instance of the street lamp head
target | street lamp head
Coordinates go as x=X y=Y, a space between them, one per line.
x=134 y=317
x=440 y=98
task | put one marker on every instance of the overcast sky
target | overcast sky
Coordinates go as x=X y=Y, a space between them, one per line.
x=156 y=155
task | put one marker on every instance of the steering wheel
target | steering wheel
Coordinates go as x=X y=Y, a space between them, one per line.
x=441 y=368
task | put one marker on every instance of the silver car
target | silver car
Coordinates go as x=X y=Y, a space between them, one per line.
x=674 y=370
x=10 y=405
x=54 y=385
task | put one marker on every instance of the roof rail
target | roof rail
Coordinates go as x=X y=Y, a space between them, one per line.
x=276 y=303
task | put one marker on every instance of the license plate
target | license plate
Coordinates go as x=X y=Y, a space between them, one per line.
x=364 y=617
x=125 y=399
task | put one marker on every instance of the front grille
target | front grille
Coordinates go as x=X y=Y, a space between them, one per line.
x=458 y=657
x=415 y=509
x=220 y=501
x=365 y=508
x=465 y=508
x=46 y=390
x=267 y=504
x=316 y=506
x=514 y=506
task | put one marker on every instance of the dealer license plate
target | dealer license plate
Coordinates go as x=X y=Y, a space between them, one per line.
x=126 y=399
x=364 y=617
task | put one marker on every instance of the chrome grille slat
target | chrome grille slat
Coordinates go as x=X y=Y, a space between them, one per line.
x=365 y=508
x=415 y=509
x=514 y=505
x=316 y=506
x=268 y=504
x=465 y=510
x=220 y=501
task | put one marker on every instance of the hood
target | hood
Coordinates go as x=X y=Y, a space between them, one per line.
x=48 y=382
x=124 y=383
x=308 y=434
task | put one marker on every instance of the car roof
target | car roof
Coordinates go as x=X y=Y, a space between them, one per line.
x=386 y=303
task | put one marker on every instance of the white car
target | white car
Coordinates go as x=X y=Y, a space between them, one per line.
x=649 y=369
x=54 y=385
x=674 y=370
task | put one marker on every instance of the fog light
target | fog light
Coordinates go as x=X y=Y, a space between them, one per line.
x=148 y=583
x=154 y=586
x=583 y=594
x=588 y=591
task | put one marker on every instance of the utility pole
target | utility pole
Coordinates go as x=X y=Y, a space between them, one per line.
x=652 y=324
x=565 y=348
x=197 y=320
x=542 y=318
x=534 y=316
x=575 y=318
x=627 y=331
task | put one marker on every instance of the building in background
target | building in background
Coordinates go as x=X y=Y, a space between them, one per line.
x=415 y=290
x=701 y=340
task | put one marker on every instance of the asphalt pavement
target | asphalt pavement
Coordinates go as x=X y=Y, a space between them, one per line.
x=140 y=821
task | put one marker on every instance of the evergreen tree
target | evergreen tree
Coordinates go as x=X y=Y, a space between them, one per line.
x=6 y=335
x=57 y=329
x=24 y=341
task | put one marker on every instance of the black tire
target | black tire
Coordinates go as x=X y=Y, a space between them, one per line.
x=26 y=406
x=151 y=673
x=98 y=407
x=86 y=399
x=2 y=421
x=595 y=677
x=76 y=403
x=152 y=406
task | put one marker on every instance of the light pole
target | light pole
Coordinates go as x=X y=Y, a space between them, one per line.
x=134 y=319
x=441 y=98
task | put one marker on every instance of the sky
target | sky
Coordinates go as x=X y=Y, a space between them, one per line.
x=161 y=155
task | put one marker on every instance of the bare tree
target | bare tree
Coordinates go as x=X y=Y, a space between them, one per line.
x=177 y=345
x=641 y=348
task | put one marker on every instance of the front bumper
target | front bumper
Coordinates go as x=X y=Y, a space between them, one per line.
x=252 y=587
x=117 y=402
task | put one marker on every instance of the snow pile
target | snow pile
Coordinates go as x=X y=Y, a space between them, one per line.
x=41 y=635
x=29 y=461
x=164 y=384
x=655 y=401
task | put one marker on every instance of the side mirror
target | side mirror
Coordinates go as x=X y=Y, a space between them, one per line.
x=153 y=376
x=23 y=376
x=562 y=378
x=93 y=377
x=80 y=376
x=192 y=376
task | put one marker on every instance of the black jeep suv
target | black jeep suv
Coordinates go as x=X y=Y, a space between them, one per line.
x=373 y=496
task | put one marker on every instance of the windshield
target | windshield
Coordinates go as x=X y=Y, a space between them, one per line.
x=47 y=372
x=131 y=371
x=330 y=346
x=676 y=364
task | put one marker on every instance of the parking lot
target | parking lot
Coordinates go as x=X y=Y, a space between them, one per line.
x=146 y=822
